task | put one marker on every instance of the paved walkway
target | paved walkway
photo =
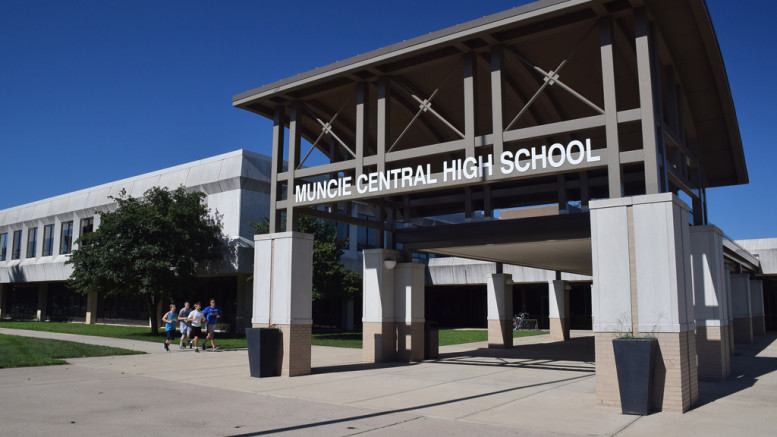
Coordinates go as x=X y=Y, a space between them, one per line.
x=538 y=388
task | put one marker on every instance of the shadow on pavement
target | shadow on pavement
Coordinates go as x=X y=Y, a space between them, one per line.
x=575 y=355
x=408 y=409
x=746 y=368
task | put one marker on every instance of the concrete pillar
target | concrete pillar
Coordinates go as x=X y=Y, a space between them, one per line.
x=245 y=297
x=710 y=303
x=409 y=311
x=91 y=308
x=743 y=316
x=730 y=313
x=283 y=294
x=348 y=314
x=642 y=286
x=378 y=327
x=558 y=311
x=3 y=300
x=757 y=307
x=500 y=310
x=43 y=300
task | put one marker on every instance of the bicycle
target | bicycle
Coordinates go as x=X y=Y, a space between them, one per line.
x=519 y=321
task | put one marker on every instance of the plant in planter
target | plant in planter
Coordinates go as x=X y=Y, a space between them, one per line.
x=265 y=351
x=635 y=363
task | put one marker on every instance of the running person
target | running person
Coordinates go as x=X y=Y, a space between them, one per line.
x=185 y=326
x=196 y=318
x=169 y=320
x=213 y=314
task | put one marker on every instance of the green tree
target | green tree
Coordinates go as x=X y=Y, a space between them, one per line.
x=331 y=280
x=149 y=247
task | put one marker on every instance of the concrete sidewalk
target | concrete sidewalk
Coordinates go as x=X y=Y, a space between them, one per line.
x=538 y=388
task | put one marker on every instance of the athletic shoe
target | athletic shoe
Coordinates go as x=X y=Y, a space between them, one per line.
x=214 y=348
x=167 y=348
x=197 y=350
x=181 y=346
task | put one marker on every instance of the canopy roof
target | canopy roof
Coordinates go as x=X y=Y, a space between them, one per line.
x=539 y=31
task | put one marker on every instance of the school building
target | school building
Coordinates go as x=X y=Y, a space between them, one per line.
x=37 y=238
x=603 y=123
x=551 y=159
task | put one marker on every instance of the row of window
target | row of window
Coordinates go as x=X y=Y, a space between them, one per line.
x=47 y=246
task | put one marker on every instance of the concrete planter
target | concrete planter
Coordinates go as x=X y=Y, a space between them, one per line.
x=264 y=351
x=635 y=362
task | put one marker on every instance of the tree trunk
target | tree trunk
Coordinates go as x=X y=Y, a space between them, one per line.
x=151 y=305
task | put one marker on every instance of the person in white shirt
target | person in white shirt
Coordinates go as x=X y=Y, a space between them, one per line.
x=196 y=318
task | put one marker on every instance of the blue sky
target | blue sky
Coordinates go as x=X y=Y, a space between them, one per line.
x=95 y=91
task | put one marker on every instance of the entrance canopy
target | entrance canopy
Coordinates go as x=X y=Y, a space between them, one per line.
x=551 y=103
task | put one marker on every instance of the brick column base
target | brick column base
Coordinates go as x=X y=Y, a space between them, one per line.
x=559 y=329
x=410 y=341
x=743 y=330
x=676 y=385
x=713 y=349
x=296 y=349
x=500 y=334
x=378 y=342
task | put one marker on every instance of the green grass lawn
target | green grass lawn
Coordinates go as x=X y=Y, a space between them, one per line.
x=338 y=339
x=224 y=341
x=448 y=337
x=28 y=351
x=230 y=341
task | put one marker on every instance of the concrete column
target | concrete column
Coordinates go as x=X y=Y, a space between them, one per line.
x=245 y=296
x=642 y=286
x=558 y=311
x=409 y=311
x=500 y=310
x=3 y=300
x=757 y=307
x=283 y=294
x=378 y=322
x=743 y=316
x=91 y=308
x=348 y=314
x=730 y=313
x=710 y=302
x=43 y=300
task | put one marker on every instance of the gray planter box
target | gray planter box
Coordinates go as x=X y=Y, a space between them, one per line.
x=635 y=362
x=265 y=351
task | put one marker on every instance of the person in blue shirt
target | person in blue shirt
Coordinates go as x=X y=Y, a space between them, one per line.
x=213 y=314
x=169 y=320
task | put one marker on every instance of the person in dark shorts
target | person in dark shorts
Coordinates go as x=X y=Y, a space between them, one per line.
x=196 y=318
x=185 y=326
x=169 y=320
x=212 y=314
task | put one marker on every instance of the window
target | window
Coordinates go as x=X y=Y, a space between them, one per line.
x=3 y=245
x=366 y=238
x=16 y=252
x=87 y=226
x=48 y=240
x=66 y=238
x=343 y=231
x=32 y=242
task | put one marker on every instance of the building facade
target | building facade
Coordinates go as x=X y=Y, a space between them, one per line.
x=37 y=238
